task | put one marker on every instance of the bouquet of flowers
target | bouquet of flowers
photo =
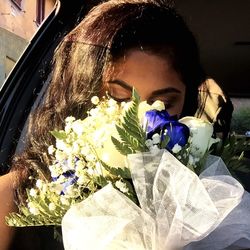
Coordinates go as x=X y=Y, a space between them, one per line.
x=130 y=176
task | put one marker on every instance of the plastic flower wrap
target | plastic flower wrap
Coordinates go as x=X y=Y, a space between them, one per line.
x=131 y=176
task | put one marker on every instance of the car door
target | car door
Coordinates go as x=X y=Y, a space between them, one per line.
x=30 y=75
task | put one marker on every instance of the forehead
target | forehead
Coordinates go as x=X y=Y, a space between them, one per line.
x=143 y=69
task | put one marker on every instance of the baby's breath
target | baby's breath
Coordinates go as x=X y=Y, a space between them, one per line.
x=95 y=100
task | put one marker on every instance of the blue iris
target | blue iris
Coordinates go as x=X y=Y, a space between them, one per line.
x=70 y=176
x=159 y=121
x=71 y=179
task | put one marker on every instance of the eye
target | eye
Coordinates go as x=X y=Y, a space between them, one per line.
x=168 y=105
x=119 y=93
x=119 y=99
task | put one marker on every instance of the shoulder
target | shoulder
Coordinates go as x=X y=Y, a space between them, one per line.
x=7 y=185
x=7 y=205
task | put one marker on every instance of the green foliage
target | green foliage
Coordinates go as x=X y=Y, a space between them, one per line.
x=123 y=173
x=131 y=193
x=45 y=215
x=165 y=141
x=232 y=153
x=132 y=136
x=241 y=120
x=60 y=135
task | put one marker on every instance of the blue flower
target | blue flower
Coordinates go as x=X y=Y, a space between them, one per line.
x=159 y=121
x=71 y=179
x=69 y=174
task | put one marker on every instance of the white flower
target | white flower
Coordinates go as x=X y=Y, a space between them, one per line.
x=78 y=127
x=61 y=179
x=51 y=149
x=142 y=109
x=75 y=148
x=90 y=171
x=80 y=164
x=34 y=210
x=60 y=144
x=94 y=112
x=60 y=156
x=39 y=183
x=85 y=150
x=111 y=110
x=149 y=143
x=158 y=105
x=154 y=150
x=64 y=201
x=32 y=207
x=95 y=100
x=82 y=179
x=200 y=134
x=121 y=186
x=156 y=138
x=44 y=188
x=90 y=157
x=190 y=160
x=165 y=132
x=176 y=148
x=33 y=192
x=70 y=119
x=52 y=206
x=112 y=102
x=57 y=188
x=108 y=153
x=125 y=106
x=55 y=170
x=68 y=128
x=70 y=191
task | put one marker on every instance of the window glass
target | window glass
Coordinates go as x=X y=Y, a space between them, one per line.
x=19 y=20
x=241 y=116
x=18 y=3
x=9 y=64
x=222 y=32
x=40 y=11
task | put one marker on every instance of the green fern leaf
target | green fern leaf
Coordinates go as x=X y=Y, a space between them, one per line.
x=130 y=131
x=123 y=148
x=135 y=130
x=123 y=173
x=60 y=135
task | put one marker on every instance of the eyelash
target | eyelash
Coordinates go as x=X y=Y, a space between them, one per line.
x=168 y=103
x=119 y=99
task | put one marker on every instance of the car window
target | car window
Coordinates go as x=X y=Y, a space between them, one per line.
x=19 y=20
x=222 y=32
x=241 y=116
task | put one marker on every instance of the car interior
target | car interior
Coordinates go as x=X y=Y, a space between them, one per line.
x=222 y=29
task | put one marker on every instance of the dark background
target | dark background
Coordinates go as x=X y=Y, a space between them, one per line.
x=222 y=28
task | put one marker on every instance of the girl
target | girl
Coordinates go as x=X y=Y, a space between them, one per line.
x=120 y=44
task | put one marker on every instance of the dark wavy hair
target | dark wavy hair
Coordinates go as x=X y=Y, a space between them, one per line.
x=85 y=54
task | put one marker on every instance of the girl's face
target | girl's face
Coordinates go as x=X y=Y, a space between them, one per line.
x=152 y=76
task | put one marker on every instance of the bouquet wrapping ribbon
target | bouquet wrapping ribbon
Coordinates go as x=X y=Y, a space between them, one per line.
x=178 y=210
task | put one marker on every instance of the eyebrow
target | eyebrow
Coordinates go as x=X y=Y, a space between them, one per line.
x=121 y=83
x=154 y=93
x=168 y=90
